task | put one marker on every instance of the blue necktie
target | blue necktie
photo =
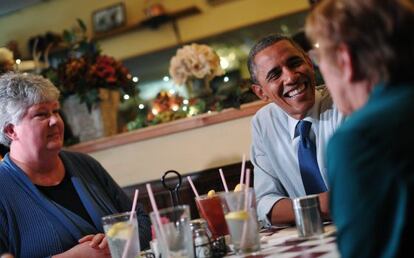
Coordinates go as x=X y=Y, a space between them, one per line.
x=308 y=164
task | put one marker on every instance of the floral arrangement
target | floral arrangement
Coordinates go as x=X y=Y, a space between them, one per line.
x=86 y=73
x=164 y=108
x=85 y=70
x=194 y=61
x=168 y=107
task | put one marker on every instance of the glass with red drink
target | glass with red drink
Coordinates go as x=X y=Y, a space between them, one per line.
x=211 y=210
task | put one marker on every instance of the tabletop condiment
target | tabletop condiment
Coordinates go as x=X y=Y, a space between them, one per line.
x=202 y=238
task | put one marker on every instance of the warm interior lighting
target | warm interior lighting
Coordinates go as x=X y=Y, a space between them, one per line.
x=224 y=63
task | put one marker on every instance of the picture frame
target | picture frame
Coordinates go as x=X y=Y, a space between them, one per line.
x=109 y=18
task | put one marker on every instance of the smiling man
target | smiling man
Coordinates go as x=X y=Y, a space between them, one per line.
x=290 y=133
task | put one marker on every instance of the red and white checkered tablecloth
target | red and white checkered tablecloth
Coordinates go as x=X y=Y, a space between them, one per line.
x=285 y=243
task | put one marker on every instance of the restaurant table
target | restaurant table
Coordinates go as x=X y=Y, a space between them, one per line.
x=285 y=243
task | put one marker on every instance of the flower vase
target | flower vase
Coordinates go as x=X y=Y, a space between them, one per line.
x=100 y=122
x=198 y=88
x=109 y=105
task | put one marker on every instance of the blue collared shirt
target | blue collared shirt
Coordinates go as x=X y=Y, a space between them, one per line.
x=275 y=147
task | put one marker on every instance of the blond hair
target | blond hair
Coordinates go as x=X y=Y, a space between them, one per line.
x=378 y=34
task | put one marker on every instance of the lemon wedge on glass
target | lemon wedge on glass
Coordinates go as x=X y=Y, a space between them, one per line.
x=121 y=230
x=211 y=193
x=238 y=187
x=237 y=215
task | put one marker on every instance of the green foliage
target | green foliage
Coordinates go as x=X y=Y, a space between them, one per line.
x=228 y=95
x=84 y=69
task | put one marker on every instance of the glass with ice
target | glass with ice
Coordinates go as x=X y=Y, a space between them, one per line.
x=241 y=217
x=175 y=238
x=122 y=232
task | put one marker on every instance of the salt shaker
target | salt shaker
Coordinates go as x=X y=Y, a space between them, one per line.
x=308 y=216
x=202 y=238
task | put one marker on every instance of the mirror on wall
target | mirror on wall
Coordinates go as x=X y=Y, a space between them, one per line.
x=151 y=70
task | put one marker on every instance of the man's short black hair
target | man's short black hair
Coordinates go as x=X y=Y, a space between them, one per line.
x=262 y=44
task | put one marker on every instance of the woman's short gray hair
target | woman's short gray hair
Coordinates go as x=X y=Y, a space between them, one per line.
x=18 y=92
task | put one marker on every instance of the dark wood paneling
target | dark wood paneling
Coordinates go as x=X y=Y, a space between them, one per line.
x=203 y=181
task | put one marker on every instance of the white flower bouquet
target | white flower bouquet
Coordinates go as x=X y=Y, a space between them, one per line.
x=194 y=61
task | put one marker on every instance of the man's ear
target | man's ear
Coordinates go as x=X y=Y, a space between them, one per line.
x=258 y=90
x=345 y=62
x=10 y=132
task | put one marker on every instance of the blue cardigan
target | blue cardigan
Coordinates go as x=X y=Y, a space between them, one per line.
x=32 y=226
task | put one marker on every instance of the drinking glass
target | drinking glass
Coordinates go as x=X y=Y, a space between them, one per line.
x=241 y=217
x=211 y=210
x=119 y=230
x=176 y=238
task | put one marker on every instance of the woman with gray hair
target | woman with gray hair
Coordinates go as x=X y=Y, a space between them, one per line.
x=51 y=201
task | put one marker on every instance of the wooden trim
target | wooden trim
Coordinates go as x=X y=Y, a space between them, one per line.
x=188 y=11
x=168 y=128
x=205 y=37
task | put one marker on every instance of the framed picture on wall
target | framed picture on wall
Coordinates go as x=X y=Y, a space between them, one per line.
x=108 y=18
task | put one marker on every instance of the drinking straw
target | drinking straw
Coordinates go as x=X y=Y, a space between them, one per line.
x=131 y=217
x=246 y=190
x=242 y=170
x=134 y=204
x=203 y=211
x=223 y=180
x=156 y=212
x=193 y=187
x=246 y=206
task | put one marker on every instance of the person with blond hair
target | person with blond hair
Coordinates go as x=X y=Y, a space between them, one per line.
x=366 y=55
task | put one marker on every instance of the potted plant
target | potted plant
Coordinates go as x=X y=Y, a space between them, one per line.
x=91 y=84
